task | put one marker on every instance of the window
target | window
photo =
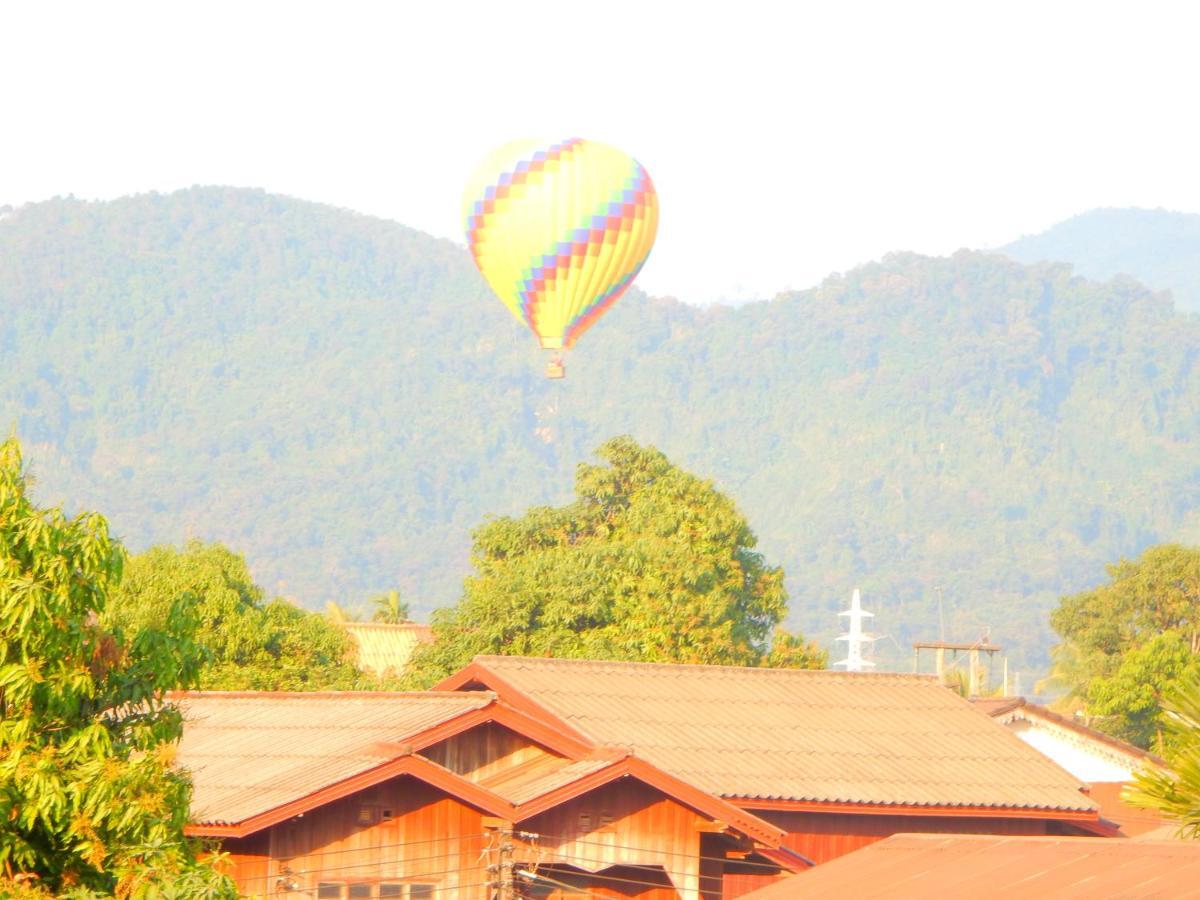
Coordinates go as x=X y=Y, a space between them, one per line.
x=369 y=890
x=368 y=815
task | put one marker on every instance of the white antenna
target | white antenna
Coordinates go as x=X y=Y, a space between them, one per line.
x=856 y=639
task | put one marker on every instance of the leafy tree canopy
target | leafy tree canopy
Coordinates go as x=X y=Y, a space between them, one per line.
x=257 y=367
x=649 y=563
x=1127 y=643
x=88 y=798
x=1175 y=792
x=249 y=644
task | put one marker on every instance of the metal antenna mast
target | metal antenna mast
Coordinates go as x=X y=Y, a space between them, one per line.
x=856 y=639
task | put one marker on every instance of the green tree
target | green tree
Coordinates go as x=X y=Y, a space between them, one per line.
x=88 y=797
x=389 y=608
x=1175 y=791
x=792 y=651
x=649 y=563
x=1128 y=642
x=249 y=644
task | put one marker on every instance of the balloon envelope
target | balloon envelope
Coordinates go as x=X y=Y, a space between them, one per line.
x=560 y=231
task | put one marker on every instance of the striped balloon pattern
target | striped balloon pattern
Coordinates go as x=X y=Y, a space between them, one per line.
x=560 y=231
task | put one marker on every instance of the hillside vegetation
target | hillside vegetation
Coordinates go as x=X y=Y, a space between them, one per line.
x=339 y=398
x=1157 y=247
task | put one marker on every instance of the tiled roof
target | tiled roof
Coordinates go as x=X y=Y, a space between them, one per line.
x=786 y=734
x=986 y=866
x=384 y=646
x=253 y=752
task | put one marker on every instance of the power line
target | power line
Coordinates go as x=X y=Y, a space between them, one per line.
x=655 y=850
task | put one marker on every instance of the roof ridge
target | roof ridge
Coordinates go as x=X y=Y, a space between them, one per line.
x=691 y=667
x=332 y=695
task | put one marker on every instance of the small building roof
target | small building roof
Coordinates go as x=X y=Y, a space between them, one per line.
x=986 y=866
x=1008 y=709
x=383 y=646
x=763 y=735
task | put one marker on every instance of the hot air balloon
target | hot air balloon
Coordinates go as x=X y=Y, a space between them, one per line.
x=559 y=231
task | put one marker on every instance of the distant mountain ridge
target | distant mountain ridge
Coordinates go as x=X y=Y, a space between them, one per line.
x=1158 y=247
x=340 y=398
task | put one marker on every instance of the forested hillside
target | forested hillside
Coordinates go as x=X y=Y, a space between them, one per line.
x=1159 y=248
x=339 y=398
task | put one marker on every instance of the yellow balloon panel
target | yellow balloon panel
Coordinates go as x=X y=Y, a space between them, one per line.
x=560 y=231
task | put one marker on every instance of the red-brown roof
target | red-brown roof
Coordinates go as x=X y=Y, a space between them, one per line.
x=252 y=752
x=987 y=866
x=259 y=758
x=786 y=734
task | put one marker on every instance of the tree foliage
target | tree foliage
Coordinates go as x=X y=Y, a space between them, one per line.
x=1129 y=642
x=88 y=797
x=340 y=398
x=249 y=644
x=1175 y=791
x=649 y=563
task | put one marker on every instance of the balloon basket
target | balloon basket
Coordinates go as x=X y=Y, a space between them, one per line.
x=556 y=369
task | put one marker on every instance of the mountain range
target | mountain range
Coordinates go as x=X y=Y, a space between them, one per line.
x=340 y=398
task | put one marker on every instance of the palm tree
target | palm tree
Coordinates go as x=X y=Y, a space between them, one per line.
x=340 y=614
x=1175 y=792
x=390 y=609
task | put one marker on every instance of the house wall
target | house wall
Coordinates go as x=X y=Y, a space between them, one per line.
x=1134 y=820
x=625 y=823
x=409 y=834
x=1087 y=759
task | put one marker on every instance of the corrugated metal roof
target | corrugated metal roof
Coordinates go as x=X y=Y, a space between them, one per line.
x=253 y=752
x=912 y=865
x=787 y=734
x=383 y=646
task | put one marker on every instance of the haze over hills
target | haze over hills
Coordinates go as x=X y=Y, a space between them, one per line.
x=1158 y=247
x=340 y=398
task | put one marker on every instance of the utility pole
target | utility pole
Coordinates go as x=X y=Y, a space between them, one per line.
x=500 y=858
x=856 y=639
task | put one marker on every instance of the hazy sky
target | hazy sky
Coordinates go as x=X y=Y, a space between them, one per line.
x=787 y=141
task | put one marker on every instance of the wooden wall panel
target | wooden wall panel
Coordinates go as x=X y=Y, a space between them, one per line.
x=412 y=832
x=825 y=836
x=623 y=824
x=484 y=751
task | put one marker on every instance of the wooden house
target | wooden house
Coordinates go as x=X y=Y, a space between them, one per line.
x=392 y=795
x=563 y=779
x=836 y=760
